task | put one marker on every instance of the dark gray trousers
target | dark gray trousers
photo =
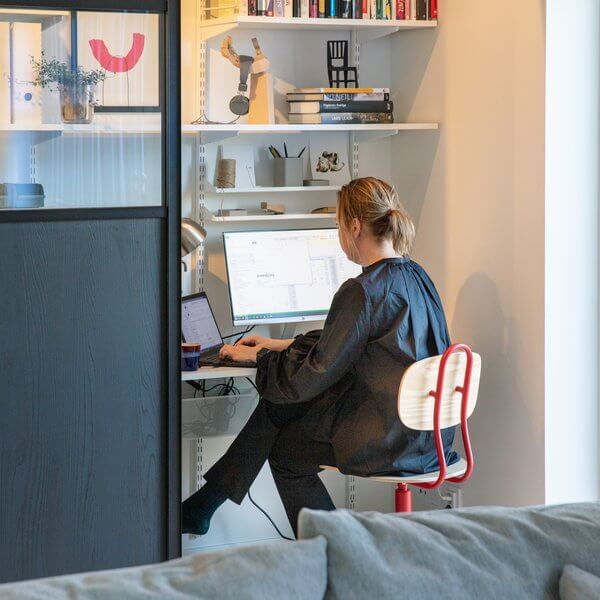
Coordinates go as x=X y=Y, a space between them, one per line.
x=279 y=434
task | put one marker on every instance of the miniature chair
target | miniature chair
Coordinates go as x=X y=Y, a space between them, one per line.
x=340 y=74
x=436 y=393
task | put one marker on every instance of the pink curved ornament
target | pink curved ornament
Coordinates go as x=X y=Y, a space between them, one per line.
x=118 y=64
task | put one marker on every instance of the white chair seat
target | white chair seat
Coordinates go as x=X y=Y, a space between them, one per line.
x=457 y=469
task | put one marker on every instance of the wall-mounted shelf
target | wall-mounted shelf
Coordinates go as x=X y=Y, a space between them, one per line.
x=23 y=15
x=285 y=217
x=364 y=132
x=366 y=29
x=276 y=190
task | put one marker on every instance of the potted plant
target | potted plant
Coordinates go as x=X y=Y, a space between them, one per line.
x=76 y=86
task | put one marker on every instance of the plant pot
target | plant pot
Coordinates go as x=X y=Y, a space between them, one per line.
x=77 y=103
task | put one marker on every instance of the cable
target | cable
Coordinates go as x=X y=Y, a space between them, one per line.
x=240 y=333
x=253 y=385
x=264 y=512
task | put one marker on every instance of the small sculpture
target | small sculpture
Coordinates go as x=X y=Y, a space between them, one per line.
x=262 y=108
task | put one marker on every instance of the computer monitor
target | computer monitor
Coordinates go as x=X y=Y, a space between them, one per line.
x=285 y=276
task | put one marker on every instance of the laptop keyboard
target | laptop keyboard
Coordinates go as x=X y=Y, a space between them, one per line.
x=217 y=361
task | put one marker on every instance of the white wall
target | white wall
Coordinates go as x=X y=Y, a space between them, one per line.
x=476 y=190
x=572 y=159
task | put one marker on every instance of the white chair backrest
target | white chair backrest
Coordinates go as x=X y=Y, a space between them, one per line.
x=415 y=405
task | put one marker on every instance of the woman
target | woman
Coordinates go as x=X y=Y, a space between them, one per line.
x=329 y=397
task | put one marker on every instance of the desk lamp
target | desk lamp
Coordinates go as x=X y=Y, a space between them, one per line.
x=192 y=236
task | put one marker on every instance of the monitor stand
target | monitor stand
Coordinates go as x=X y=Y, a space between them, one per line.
x=288 y=332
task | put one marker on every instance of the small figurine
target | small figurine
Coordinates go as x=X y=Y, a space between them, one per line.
x=261 y=108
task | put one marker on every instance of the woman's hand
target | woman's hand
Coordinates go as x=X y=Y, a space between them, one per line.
x=239 y=352
x=259 y=342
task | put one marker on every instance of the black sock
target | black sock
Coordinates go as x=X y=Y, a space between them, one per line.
x=199 y=508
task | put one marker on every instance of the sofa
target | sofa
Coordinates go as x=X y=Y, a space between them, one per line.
x=471 y=553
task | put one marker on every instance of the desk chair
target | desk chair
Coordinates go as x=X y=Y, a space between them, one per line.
x=436 y=393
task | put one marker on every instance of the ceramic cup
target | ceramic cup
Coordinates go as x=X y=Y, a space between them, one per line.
x=190 y=357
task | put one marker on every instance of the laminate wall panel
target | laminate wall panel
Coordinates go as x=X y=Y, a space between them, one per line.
x=82 y=401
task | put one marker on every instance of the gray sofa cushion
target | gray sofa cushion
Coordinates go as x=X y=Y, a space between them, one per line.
x=467 y=553
x=576 y=584
x=267 y=570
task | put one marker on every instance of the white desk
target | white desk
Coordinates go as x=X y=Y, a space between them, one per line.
x=217 y=373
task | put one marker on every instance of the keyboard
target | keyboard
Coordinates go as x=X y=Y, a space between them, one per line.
x=217 y=361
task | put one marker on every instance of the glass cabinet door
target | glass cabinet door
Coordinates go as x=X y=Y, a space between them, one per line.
x=80 y=109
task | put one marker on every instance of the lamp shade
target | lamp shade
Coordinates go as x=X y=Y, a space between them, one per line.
x=192 y=235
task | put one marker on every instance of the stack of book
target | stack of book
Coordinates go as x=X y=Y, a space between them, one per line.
x=333 y=106
x=419 y=10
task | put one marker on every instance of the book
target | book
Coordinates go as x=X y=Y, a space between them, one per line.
x=313 y=9
x=346 y=9
x=413 y=9
x=288 y=10
x=343 y=106
x=379 y=9
x=387 y=10
x=422 y=10
x=339 y=90
x=365 y=9
x=357 y=8
x=372 y=9
x=321 y=9
x=296 y=8
x=279 y=8
x=252 y=8
x=336 y=97
x=304 y=9
x=400 y=10
x=341 y=118
x=433 y=12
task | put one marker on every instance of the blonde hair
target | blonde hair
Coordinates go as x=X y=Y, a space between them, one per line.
x=375 y=203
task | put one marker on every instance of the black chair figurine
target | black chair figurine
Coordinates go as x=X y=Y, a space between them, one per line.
x=340 y=74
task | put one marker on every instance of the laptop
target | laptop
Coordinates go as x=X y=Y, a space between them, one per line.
x=198 y=325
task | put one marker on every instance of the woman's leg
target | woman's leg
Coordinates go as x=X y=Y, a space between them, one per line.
x=294 y=461
x=233 y=474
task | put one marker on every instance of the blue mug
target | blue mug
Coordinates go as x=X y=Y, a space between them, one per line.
x=190 y=357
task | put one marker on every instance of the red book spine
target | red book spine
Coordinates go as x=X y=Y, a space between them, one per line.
x=400 y=10
x=433 y=12
x=365 y=9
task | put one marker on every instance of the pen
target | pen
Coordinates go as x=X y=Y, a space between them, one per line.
x=302 y=152
x=285 y=149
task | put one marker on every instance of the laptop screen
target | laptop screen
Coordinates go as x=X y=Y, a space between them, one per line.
x=198 y=322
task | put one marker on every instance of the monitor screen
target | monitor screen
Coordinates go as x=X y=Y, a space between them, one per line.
x=284 y=276
x=198 y=323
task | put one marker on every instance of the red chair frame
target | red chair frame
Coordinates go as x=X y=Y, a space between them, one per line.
x=403 y=493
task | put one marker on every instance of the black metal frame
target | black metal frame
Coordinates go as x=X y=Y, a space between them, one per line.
x=169 y=213
x=121 y=109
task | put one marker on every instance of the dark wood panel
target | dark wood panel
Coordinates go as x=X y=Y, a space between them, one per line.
x=82 y=402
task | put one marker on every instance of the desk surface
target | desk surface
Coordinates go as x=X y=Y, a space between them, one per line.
x=217 y=373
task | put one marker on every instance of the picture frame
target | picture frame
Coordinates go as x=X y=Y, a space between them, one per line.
x=135 y=84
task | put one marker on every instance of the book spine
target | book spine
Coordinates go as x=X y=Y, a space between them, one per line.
x=270 y=8
x=421 y=10
x=379 y=9
x=365 y=9
x=279 y=8
x=354 y=106
x=387 y=13
x=244 y=7
x=288 y=10
x=346 y=9
x=400 y=11
x=321 y=9
x=296 y=8
x=357 y=8
x=355 y=97
x=413 y=9
x=356 y=117
x=252 y=8
x=304 y=9
x=313 y=9
x=331 y=9
x=433 y=9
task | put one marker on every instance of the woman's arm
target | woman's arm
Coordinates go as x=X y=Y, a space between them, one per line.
x=299 y=374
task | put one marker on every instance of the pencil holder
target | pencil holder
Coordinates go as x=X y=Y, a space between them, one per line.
x=226 y=173
x=288 y=171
